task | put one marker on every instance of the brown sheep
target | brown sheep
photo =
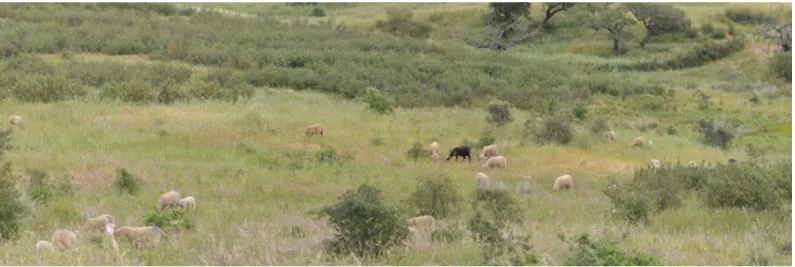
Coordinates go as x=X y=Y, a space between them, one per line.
x=462 y=151
x=168 y=200
x=315 y=129
x=64 y=239
x=611 y=136
x=637 y=142
x=488 y=152
x=141 y=236
x=562 y=182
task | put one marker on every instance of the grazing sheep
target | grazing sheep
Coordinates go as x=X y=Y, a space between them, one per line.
x=651 y=143
x=64 y=239
x=434 y=150
x=488 y=152
x=422 y=222
x=168 y=200
x=482 y=180
x=611 y=136
x=43 y=244
x=562 y=182
x=638 y=142
x=188 y=201
x=692 y=164
x=99 y=222
x=315 y=129
x=655 y=163
x=15 y=120
x=144 y=235
x=732 y=160
x=498 y=162
x=461 y=151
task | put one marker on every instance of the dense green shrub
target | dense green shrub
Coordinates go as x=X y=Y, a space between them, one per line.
x=12 y=210
x=746 y=16
x=415 y=152
x=498 y=204
x=499 y=114
x=551 y=130
x=447 y=233
x=171 y=219
x=715 y=134
x=435 y=195
x=748 y=185
x=782 y=65
x=698 y=56
x=318 y=12
x=399 y=22
x=329 y=155
x=378 y=102
x=588 y=252
x=486 y=138
x=126 y=183
x=363 y=224
x=39 y=188
x=133 y=91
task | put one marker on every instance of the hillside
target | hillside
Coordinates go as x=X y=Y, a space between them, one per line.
x=214 y=105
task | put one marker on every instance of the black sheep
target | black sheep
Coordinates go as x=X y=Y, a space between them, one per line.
x=461 y=151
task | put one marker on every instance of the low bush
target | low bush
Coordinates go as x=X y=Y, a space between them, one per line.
x=435 y=195
x=554 y=129
x=781 y=65
x=588 y=252
x=171 y=219
x=126 y=183
x=715 y=134
x=499 y=114
x=746 y=16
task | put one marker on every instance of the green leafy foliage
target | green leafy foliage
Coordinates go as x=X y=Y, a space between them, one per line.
x=435 y=195
x=126 y=183
x=588 y=252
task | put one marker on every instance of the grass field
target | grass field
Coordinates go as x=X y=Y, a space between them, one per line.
x=256 y=177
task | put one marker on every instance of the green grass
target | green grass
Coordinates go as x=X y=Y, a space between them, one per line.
x=254 y=176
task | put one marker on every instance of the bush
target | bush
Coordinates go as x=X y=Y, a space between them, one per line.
x=486 y=138
x=580 y=112
x=133 y=91
x=329 y=155
x=587 y=252
x=170 y=219
x=435 y=195
x=46 y=88
x=499 y=114
x=12 y=210
x=318 y=12
x=748 y=185
x=488 y=225
x=707 y=29
x=781 y=65
x=698 y=56
x=652 y=191
x=415 y=152
x=746 y=16
x=40 y=190
x=715 y=134
x=126 y=182
x=399 y=23
x=447 y=233
x=553 y=129
x=377 y=102
x=599 y=127
x=718 y=34
x=363 y=224
x=499 y=204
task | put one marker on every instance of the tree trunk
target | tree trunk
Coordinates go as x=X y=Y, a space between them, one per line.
x=616 y=47
x=645 y=39
x=547 y=17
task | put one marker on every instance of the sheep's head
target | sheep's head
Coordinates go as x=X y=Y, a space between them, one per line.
x=110 y=229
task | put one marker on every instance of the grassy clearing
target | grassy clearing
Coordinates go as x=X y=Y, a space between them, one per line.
x=255 y=177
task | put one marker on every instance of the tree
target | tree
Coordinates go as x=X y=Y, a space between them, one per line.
x=521 y=32
x=782 y=35
x=601 y=16
x=658 y=19
x=554 y=8
x=12 y=210
x=507 y=12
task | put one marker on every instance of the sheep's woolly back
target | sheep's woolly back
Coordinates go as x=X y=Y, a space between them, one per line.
x=315 y=129
x=433 y=148
x=482 y=180
x=691 y=164
x=168 y=200
x=496 y=162
x=422 y=222
x=99 y=222
x=188 y=201
x=488 y=152
x=64 y=239
x=638 y=142
x=43 y=244
x=563 y=182
x=15 y=119
x=655 y=163
x=143 y=235
x=611 y=136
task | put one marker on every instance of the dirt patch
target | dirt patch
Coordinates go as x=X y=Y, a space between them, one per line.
x=94 y=174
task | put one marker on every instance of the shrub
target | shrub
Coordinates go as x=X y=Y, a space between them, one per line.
x=499 y=114
x=40 y=190
x=415 y=152
x=329 y=155
x=587 y=252
x=652 y=191
x=170 y=219
x=499 y=204
x=488 y=225
x=132 y=91
x=435 y=195
x=718 y=34
x=715 y=134
x=399 y=23
x=580 y=112
x=126 y=183
x=732 y=30
x=553 y=129
x=781 y=65
x=599 y=127
x=318 y=12
x=748 y=185
x=363 y=224
x=707 y=28
x=486 y=138
x=746 y=16
x=691 y=33
x=46 y=88
x=447 y=233
x=12 y=210
x=377 y=102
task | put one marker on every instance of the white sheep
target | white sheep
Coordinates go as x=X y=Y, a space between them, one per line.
x=188 y=201
x=637 y=142
x=496 y=162
x=99 y=222
x=168 y=200
x=15 y=120
x=43 y=244
x=562 y=182
x=610 y=136
x=651 y=143
x=488 y=152
x=692 y=164
x=655 y=163
x=64 y=239
x=141 y=236
x=434 y=150
x=315 y=129
x=482 y=180
x=422 y=222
